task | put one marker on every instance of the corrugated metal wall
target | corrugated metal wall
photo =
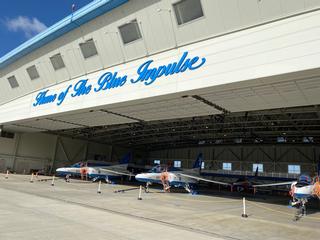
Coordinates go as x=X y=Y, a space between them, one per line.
x=275 y=158
x=44 y=151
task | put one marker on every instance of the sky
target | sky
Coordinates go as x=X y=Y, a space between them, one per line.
x=20 y=20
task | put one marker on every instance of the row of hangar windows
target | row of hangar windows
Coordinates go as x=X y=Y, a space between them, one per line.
x=185 y=11
x=292 y=169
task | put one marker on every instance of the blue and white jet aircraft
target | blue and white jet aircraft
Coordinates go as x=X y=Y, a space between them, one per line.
x=175 y=177
x=97 y=170
x=301 y=191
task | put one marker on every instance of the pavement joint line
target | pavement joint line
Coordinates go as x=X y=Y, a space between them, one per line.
x=273 y=210
x=147 y=219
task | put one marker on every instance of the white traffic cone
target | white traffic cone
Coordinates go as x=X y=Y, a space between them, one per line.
x=140 y=191
x=99 y=187
x=31 y=179
x=244 y=215
x=52 y=182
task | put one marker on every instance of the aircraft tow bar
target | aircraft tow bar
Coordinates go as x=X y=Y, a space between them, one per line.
x=125 y=190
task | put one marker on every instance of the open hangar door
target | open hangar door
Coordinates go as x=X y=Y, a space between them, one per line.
x=227 y=123
x=275 y=138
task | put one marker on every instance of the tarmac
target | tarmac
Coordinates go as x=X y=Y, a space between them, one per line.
x=74 y=210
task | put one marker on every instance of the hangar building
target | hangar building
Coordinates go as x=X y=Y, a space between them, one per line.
x=236 y=80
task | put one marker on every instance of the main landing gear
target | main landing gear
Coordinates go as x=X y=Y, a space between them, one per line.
x=146 y=189
x=300 y=204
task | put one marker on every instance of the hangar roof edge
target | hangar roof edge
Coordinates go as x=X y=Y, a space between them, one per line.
x=67 y=24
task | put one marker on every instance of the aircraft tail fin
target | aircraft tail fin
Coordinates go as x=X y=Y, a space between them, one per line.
x=257 y=171
x=197 y=164
x=126 y=159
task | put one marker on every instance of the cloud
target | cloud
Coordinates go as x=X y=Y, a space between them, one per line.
x=29 y=26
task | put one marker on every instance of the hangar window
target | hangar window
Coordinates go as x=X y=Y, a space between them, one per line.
x=57 y=61
x=202 y=165
x=257 y=165
x=227 y=166
x=294 y=169
x=187 y=10
x=13 y=82
x=307 y=139
x=177 y=163
x=33 y=72
x=88 y=48
x=281 y=139
x=130 y=32
x=156 y=161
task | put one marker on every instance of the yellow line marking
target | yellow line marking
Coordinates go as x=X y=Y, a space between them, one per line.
x=165 y=195
x=277 y=211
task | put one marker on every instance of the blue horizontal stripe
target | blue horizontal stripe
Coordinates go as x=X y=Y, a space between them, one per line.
x=148 y=180
x=103 y=176
x=65 y=173
x=299 y=195
x=74 y=174
x=80 y=17
x=172 y=183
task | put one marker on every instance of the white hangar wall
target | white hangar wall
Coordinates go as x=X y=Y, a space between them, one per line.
x=220 y=17
x=252 y=59
x=28 y=151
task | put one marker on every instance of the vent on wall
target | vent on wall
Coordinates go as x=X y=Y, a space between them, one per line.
x=187 y=10
x=130 y=32
x=57 y=61
x=13 y=82
x=88 y=48
x=33 y=72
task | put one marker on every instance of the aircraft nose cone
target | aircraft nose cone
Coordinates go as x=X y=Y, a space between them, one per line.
x=61 y=171
x=140 y=177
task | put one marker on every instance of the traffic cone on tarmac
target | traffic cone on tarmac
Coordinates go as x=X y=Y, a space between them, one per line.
x=31 y=179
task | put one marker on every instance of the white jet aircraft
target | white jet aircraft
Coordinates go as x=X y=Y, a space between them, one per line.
x=170 y=176
x=97 y=170
x=301 y=191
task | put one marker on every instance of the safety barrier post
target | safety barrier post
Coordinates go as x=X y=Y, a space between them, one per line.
x=31 y=179
x=52 y=182
x=99 y=187
x=7 y=174
x=140 y=190
x=244 y=215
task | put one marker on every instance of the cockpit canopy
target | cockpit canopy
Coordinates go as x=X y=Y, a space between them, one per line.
x=89 y=164
x=161 y=168
x=304 y=180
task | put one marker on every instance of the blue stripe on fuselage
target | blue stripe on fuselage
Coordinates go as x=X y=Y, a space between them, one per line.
x=173 y=183
x=103 y=176
x=300 y=195
x=74 y=174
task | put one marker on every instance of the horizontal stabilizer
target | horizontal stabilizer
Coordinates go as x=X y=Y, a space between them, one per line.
x=274 y=184
x=204 y=179
x=127 y=173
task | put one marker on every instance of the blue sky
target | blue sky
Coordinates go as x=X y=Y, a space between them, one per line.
x=22 y=19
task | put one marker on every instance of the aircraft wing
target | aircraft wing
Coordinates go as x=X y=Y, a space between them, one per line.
x=204 y=179
x=273 y=184
x=115 y=171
